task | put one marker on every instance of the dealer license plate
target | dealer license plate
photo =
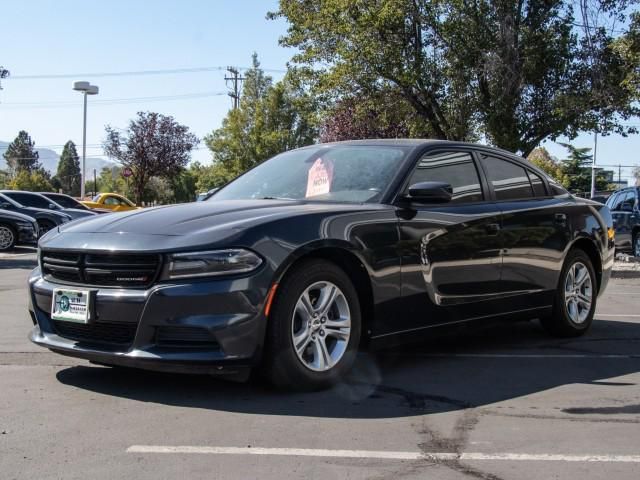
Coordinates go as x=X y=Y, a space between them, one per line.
x=70 y=305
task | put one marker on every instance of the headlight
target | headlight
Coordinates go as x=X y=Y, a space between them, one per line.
x=210 y=263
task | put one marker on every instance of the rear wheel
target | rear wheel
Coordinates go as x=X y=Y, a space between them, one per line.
x=636 y=244
x=44 y=226
x=8 y=237
x=314 y=328
x=576 y=295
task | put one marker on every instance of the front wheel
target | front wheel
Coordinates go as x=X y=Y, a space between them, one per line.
x=636 y=244
x=314 y=328
x=575 y=300
x=7 y=238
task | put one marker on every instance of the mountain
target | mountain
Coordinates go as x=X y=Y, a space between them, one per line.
x=49 y=160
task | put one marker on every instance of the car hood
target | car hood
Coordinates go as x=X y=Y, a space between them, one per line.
x=16 y=216
x=43 y=212
x=186 y=225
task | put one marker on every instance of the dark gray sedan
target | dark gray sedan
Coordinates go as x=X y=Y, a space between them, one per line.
x=47 y=219
x=37 y=200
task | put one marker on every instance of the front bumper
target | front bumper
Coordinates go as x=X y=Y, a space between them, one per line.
x=223 y=320
x=27 y=234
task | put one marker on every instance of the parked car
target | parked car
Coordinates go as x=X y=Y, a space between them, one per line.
x=37 y=200
x=15 y=229
x=68 y=201
x=626 y=219
x=319 y=251
x=47 y=219
x=111 y=201
x=206 y=195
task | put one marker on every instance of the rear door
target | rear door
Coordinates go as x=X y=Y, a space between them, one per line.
x=450 y=253
x=535 y=232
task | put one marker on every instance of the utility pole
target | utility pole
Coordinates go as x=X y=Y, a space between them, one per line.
x=235 y=80
x=593 y=167
x=619 y=175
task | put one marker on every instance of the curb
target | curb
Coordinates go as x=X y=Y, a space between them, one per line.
x=625 y=274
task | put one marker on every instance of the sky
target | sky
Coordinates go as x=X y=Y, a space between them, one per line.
x=43 y=38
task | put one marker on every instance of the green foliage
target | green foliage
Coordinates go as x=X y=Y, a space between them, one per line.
x=541 y=158
x=21 y=155
x=271 y=118
x=515 y=72
x=36 y=181
x=576 y=171
x=154 y=145
x=4 y=179
x=68 y=175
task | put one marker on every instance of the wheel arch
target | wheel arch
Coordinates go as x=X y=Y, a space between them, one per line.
x=343 y=255
x=589 y=247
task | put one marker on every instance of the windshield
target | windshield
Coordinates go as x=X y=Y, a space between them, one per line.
x=64 y=201
x=344 y=173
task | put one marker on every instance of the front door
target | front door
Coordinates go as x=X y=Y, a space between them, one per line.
x=450 y=253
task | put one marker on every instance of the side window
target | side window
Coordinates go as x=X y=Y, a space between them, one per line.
x=628 y=201
x=611 y=200
x=454 y=168
x=537 y=184
x=510 y=181
x=111 y=201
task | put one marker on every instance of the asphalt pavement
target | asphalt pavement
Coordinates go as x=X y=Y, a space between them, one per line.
x=505 y=403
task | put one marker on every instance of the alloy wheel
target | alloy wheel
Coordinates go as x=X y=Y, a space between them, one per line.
x=578 y=292
x=6 y=238
x=321 y=326
x=636 y=246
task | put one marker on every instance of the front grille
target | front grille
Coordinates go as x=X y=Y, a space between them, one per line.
x=182 y=336
x=99 y=332
x=101 y=269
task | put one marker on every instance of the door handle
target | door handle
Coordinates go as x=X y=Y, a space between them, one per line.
x=492 y=228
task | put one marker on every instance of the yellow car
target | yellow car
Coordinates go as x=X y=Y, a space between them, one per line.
x=111 y=201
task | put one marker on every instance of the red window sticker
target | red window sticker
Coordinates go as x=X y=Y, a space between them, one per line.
x=319 y=178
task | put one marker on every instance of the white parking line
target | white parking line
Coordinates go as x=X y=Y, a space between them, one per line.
x=617 y=315
x=514 y=355
x=384 y=455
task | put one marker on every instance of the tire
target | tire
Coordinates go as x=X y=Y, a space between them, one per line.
x=635 y=247
x=44 y=226
x=8 y=237
x=572 y=316
x=300 y=316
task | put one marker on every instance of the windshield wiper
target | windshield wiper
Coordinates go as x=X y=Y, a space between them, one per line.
x=275 y=198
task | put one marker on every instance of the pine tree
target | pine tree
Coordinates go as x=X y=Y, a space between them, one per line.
x=21 y=155
x=68 y=174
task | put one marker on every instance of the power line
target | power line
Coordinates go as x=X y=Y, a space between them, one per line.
x=110 y=101
x=49 y=76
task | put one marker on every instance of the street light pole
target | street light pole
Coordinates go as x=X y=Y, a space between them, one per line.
x=87 y=89
x=593 y=166
x=84 y=146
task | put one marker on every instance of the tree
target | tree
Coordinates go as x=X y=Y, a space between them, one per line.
x=271 y=119
x=4 y=73
x=515 y=72
x=68 y=174
x=154 y=145
x=576 y=171
x=21 y=155
x=636 y=175
x=541 y=158
x=384 y=114
x=35 y=181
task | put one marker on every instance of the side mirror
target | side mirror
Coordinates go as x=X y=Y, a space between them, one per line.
x=5 y=205
x=430 y=192
x=52 y=207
